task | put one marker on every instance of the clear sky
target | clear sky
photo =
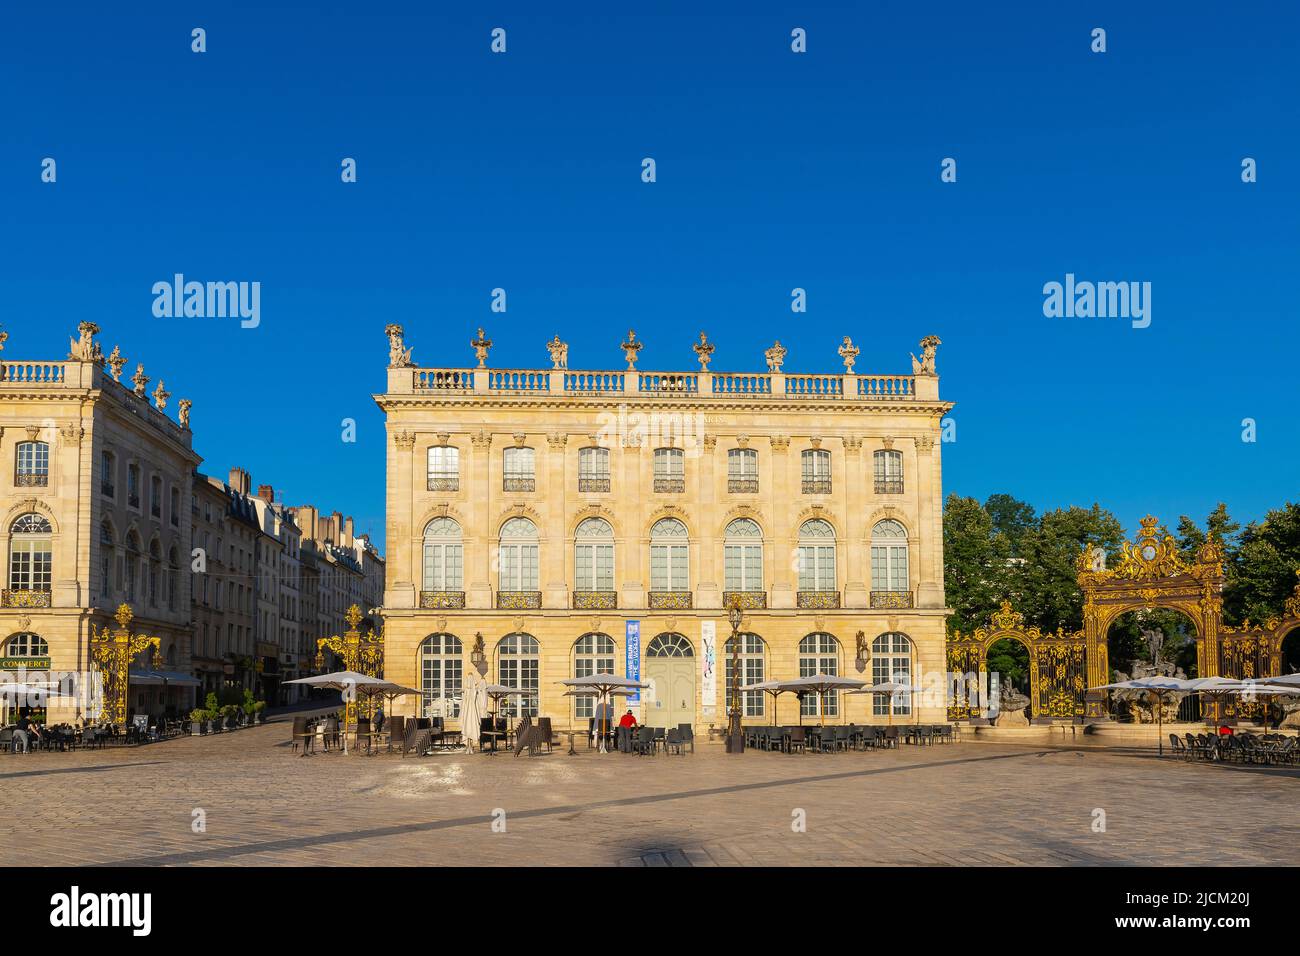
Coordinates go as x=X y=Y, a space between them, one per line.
x=775 y=170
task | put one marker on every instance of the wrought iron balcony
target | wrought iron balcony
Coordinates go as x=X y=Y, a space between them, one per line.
x=595 y=600
x=441 y=483
x=106 y=488
x=749 y=600
x=24 y=598
x=31 y=479
x=891 y=599
x=593 y=484
x=519 y=600
x=519 y=484
x=816 y=486
x=133 y=500
x=889 y=486
x=742 y=486
x=670 y=600
x=670 y=485
x=442 y=600
x=819 y=600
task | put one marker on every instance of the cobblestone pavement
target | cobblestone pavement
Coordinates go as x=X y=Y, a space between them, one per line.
x=965 y=803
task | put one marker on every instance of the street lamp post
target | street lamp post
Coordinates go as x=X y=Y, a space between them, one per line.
x=735 y=736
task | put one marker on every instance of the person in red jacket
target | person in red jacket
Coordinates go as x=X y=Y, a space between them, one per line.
x=628 y=720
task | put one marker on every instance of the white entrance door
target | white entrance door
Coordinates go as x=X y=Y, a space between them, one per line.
x=671 y=665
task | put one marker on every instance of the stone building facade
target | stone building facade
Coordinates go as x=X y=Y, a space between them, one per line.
x=587 y=521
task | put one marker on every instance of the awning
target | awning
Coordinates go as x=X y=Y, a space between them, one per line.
x=159 y=678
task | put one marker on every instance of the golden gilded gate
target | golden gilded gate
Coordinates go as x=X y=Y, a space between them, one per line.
x=1057 y=665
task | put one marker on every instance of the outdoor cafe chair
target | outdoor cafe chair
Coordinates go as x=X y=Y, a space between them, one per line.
x=890 y=737
x=544 y=732
x=688 y=735
x=301 y=736
x=796 y=739
x=673 y=741
x=645 y=741
x=396 y=733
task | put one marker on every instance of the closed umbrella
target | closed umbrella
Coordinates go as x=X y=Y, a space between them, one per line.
x=473 y=704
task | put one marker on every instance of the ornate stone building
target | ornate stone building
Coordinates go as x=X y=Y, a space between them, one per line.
x=95 y=500
x=584 y=521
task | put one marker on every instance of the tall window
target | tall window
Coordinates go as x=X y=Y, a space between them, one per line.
x=175 y=514
x=173 y=577
x=670 y=562
x=520 y=470
x=592 y=654
x=889 y=557
x=891 y=660
x=441 y=662
x=105 y=559
x=443 y=555
x=519 y=666
x=816 y=471
x=820 y=654
x=888 y=467
x=32 y=464
x=743 y=556
x=670 y=470
x=518 y=556
x=155 y=563
x=593 y=469
x=31 y=560
x=131 y=565
x=155 y=496
x=133 y=485
x=816 y=556
x=742 y=471
x=593 y=563
x=444 y=469
x=107 y=466
x=752 y=654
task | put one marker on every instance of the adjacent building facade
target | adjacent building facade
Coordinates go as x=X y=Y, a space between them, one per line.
x=589 y=521
x=104 y=506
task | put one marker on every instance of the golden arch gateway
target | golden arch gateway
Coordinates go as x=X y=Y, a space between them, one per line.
x=1056 y=666
x=1150 y=574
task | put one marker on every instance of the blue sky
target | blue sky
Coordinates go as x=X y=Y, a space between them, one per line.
x=775 y=171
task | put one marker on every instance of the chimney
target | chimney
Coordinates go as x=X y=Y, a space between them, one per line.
x=266 y=492
x=347 y=531
x=307 y=521
x=240 y=481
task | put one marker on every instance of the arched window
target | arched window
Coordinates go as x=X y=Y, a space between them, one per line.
x=743 y=556
x=593 y=469
x=519 y=665
x=593 y=556
x=31 y=561
x=173 y=577
x=131 y=566
x=518 y=556
x=441 y=662
x=443 y=555
x=889 y=557
x=670 y=561
x=444 y=468
x=592 y=654
x=820 y=654
x=669 y=645
x=32 y=464
x=26 y=645
x=742 y=471
x=816 y=465
x=155 y=564
x=888 y=468
x=816 y=556
x=105 y=559
x=891 y=660
x=753 y=654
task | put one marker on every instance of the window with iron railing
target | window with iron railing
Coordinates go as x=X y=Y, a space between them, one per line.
x=520 y=470
x=32 y=464
x=670 y=470
x=133 y=485
x=593 y=469
x=106 y=468
x=444 y=469
x=888 y=469
x=816 y=465
x=742 y=471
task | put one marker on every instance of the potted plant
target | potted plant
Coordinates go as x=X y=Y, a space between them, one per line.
x=197 y=716
x=259 y=709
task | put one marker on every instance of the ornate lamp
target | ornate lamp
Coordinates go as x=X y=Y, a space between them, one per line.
x=864 y=653
x=735 y=736
x=477 y=656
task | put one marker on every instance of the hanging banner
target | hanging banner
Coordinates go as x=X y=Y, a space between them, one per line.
x=634 y=658
x=709 y=667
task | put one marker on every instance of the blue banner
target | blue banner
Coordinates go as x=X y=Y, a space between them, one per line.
x=634 y=657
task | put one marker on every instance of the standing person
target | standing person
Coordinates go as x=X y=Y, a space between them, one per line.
x=604 y=720
x=473 y=704
x=22 y=733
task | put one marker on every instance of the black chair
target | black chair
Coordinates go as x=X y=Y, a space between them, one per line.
x=545 y=733
x=673 y=741
x=890 y=737
x=688 y=735
x=645 y=741
x=796 y=738
x=396 y=733
x=301 y=735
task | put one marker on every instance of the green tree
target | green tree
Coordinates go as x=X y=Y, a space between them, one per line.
x=975 y=563
x=1012 y=518
x=1048 y=567
x=1263 y=567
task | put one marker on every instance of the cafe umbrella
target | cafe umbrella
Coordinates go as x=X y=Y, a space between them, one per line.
x=820 y=684
x=893 y=689
x=348 y=682
x=776 y=688
x=1156 y=688
x=602 y=684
